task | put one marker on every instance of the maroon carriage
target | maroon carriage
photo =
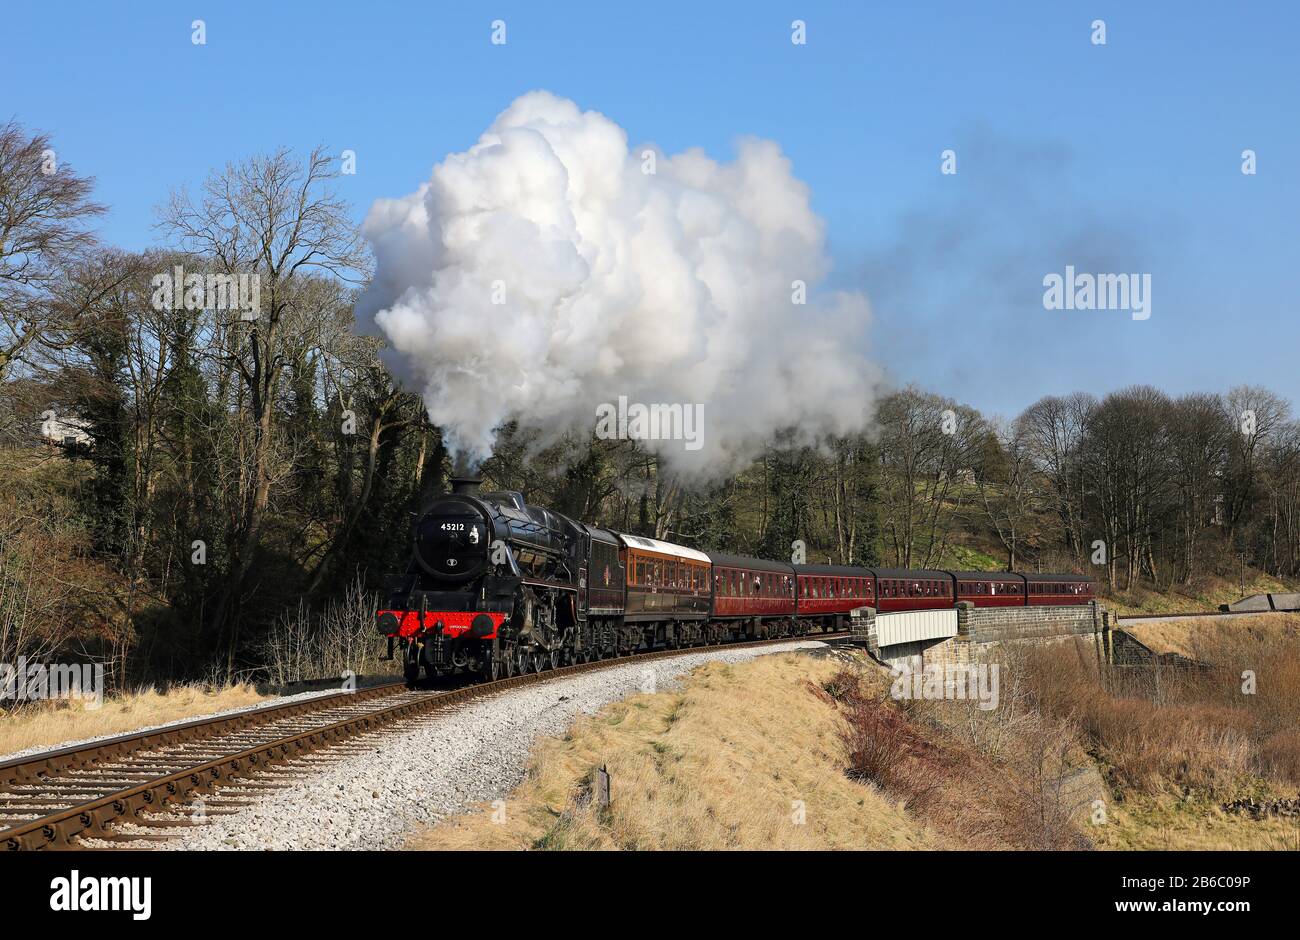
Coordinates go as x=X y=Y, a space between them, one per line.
x=990 y=588
x=1057 y=590
x=751 y=587
x=831 y=592
x=912 y=589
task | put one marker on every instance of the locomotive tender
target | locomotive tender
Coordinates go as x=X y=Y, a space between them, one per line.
x=496 y=587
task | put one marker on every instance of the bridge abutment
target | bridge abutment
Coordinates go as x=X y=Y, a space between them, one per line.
x=980 y=630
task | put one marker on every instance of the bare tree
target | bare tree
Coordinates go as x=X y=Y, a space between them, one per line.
x=1257 y=414
x=1199 y=433
x=277 y=218
x=926 y=449
x=1052 y=429
x=44 y=211
x=1008 y=489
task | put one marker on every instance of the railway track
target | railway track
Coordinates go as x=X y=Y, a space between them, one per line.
x=57 y=799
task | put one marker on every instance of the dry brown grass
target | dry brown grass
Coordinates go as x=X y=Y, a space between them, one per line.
x=49 y=724
x=983 y=780
x=716 y=764
x=1205 y=731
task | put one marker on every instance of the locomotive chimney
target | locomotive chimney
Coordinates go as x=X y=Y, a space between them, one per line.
x=465 y=486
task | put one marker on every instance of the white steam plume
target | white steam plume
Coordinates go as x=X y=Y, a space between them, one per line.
x=672 y=286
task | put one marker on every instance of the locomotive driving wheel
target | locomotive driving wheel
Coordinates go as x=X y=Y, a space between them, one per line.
x=493 y=665
x=411 y=665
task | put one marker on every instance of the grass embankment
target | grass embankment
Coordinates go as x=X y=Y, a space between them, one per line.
x=49 y=724
x=768 y=754
x=717 y=763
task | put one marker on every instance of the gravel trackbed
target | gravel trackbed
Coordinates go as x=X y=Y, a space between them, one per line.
x=441 y=764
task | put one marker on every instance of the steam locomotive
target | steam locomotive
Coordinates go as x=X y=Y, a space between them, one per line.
x=497 y=587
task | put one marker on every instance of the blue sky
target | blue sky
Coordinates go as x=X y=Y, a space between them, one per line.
x=1123 y=157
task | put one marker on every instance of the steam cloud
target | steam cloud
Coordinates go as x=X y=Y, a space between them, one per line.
x=672 y=286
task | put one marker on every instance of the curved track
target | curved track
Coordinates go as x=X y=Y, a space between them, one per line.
x=56 y=798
